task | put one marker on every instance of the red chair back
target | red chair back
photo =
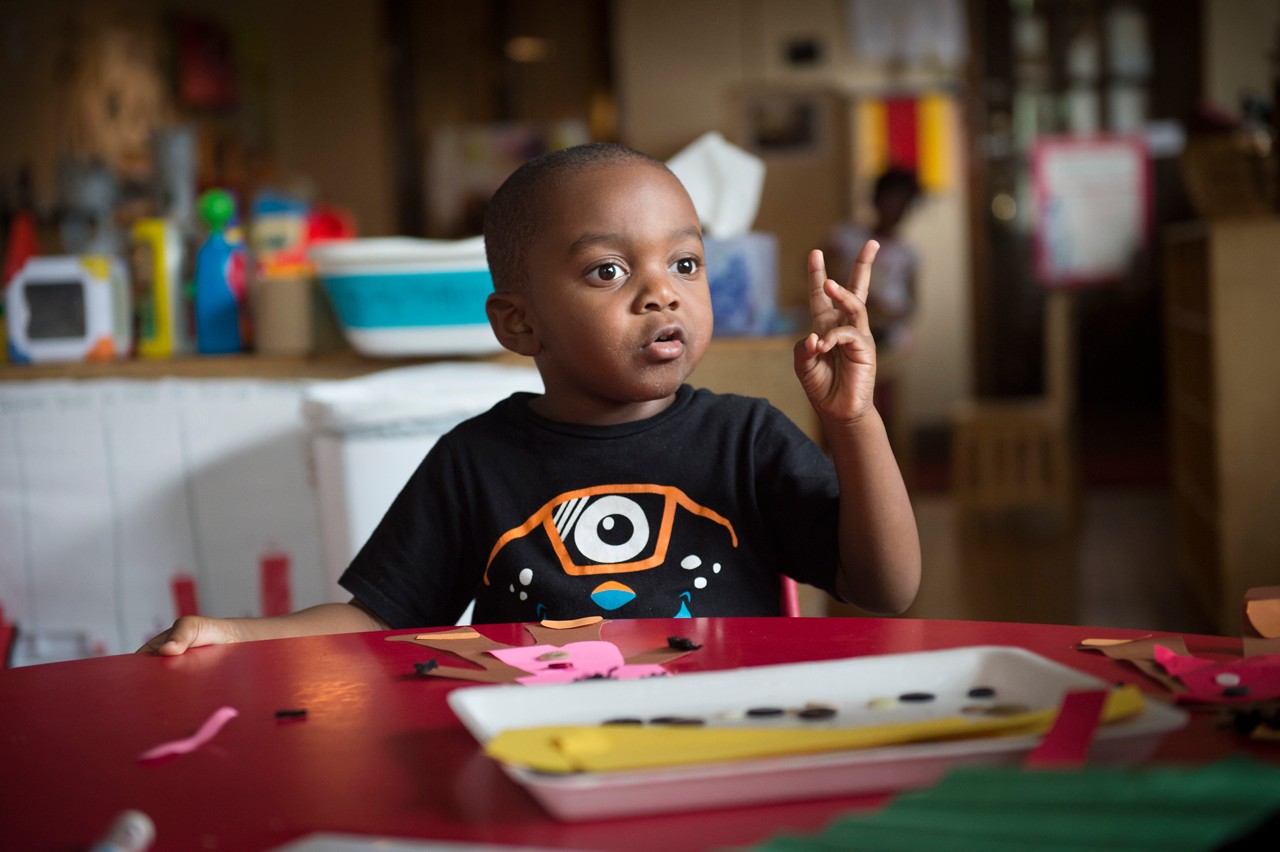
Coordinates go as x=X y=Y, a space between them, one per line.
x=8 y=632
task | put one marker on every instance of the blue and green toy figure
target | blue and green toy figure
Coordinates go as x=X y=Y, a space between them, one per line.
x=221 y=291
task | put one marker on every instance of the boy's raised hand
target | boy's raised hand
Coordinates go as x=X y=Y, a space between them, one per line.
x=836 y=363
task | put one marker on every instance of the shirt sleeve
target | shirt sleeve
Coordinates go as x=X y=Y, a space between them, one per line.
x=411 y=571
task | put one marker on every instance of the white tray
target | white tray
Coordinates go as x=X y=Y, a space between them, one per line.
x=1017 y=676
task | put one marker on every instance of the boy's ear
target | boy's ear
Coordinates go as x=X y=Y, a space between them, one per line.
x=510 y=323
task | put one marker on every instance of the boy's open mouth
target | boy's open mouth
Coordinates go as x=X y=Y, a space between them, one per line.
x=667 y=342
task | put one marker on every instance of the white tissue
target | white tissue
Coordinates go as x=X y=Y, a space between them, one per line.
x=724 y=181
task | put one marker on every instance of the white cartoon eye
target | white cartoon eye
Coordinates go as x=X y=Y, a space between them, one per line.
x=604 y=522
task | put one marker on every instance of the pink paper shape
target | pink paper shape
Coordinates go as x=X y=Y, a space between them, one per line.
x=1260 y=675
x=585 y=660
x=1066 y=744
x=207 y=732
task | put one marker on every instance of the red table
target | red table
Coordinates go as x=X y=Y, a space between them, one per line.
x=381 y=753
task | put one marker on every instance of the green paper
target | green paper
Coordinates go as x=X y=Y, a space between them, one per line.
x=1163 y=808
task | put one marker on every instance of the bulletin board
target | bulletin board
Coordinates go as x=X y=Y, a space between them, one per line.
x=1093 y=208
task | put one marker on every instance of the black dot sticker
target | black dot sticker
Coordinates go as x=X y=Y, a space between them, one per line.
x=761 y=712
x=816 y=712
x=917 y=697
x=982 y=692
x=680 y=643
x=677 y=720
x=623 y=721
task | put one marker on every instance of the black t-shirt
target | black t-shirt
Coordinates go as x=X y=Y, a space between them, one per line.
x=695 y=511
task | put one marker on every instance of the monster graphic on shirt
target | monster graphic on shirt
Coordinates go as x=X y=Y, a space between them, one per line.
x=633 y=550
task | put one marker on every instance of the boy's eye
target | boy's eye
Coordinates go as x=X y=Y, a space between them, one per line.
x=608 y=272
x=686 y=266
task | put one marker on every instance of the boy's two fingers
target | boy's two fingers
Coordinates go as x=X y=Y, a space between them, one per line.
x=860 y=275
x=820 y=307
x=828 y=302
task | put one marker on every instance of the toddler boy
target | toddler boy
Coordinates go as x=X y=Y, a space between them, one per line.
x=620 y=490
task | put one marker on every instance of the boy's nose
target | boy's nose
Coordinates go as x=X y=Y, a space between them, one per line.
x=656 y=293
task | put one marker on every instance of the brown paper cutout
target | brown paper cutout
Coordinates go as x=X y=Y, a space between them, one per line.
x=1142 y=655
x=1261 y=632
x=656 y=656
x=468 y=644
x=551 y=624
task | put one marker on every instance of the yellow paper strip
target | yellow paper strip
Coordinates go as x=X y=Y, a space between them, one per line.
x=606 y=748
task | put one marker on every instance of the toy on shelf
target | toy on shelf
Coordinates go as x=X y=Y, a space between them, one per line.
x=221 y=316
x=159 y=263
x=63 y=308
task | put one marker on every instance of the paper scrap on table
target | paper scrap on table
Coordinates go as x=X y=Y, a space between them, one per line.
x=1141 y=654
x=1262 y=621
x=1066 y=744
x=605 y=748
x=1247 y=679
x=206 y=732
x=575 y=661
x=1157 y=809
x=493 y=666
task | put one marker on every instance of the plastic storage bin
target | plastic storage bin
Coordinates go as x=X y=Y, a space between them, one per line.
x=368 y=434
x=398 y=296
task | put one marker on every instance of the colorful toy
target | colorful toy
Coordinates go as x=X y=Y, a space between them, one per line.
x=66 y=308
x=159 y=260
x=221 y=316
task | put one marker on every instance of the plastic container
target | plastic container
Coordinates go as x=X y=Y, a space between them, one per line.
x=369 y=434
x=398 y=296
x=1018 y=676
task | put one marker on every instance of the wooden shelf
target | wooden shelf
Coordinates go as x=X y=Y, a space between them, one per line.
x=330 y=365
x=754 y=366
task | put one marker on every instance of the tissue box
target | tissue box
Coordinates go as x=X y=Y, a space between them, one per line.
x=402 y=297
x=742 y=272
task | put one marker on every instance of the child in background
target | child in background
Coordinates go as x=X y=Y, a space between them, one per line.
x=892 y=298
x=620 y=490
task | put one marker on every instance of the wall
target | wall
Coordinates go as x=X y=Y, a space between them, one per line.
x=1239 y=38
x=678 y=68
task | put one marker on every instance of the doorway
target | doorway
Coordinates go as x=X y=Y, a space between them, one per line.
x=1081 y=68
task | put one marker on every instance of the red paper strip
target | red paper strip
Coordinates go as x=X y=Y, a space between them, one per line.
x=1066 y=745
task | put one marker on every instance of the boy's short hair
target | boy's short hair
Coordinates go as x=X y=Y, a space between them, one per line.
x=511 y=219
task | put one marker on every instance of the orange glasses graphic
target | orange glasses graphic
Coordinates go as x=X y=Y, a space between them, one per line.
x=580 y=516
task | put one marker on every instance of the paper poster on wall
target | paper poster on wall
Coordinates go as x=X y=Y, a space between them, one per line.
x=911 y=130
x=1093 y=208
